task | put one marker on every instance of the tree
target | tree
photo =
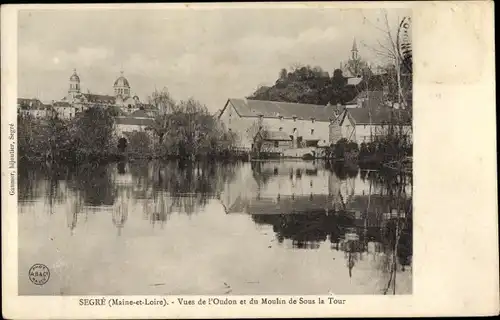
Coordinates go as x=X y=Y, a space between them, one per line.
x=283 y=74
x=338 y=84
x=165 y=104
x=92 y=131
x=162 y=101
x=396 y=49
x=304 y=84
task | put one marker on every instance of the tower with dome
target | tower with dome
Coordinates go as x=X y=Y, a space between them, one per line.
x=122 y=99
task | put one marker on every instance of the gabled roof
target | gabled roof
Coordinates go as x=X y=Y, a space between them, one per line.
x=90 y=97
x=369 y=98
x=29 y=103
x=354 y=81
x=274 y=109
x=140 y=114
x=379 y=116
x=62 y=104
x=134 y=121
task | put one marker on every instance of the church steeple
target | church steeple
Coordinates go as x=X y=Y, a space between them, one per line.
x=74 y=85
x=354 y=50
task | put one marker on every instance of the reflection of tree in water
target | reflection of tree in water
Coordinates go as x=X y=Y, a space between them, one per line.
x=353 y=250
x=341 y=170
x=161 y=209
x=31 y=177
x=120 y=215
x=262 y=176
x=305 y=230
x=73 y=210
x=191 y=184
x=94 y=183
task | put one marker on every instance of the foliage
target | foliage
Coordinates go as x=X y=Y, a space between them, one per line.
x=139 y=143
x=38 y=138
x=306 y=84
x=190 y=132
x=92 y=132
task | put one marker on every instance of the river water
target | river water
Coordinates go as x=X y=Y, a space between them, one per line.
x=158 y=228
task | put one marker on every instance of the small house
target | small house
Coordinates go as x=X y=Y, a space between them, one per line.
x=272 y=142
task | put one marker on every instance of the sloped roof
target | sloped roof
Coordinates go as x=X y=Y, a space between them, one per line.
x=371 y=98
x=354 y=81
x=148 y=106
x=62 y=104
x=117 y=111
x=276 y=135
x=134 y=121
x=99 y=98
x=139 y=114
x=30 y=103
x=379 y=116
x=274 y=109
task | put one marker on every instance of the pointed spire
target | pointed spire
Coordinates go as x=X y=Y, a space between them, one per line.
x=354 y=46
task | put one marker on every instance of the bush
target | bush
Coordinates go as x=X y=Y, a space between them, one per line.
x=139 y=143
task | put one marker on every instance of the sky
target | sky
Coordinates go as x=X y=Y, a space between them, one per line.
x=207 y=54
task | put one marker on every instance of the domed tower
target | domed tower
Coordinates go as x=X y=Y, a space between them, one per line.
x=122 y=87
x=74 y=85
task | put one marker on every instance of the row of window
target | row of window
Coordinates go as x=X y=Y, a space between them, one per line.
x=295 y=130
x=280 y=129
x=294 y=118
x=122 y=91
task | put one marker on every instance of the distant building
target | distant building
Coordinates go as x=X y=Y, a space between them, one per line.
x=307 y=125
x=34 y=108
x=138 y=121
x=272 y=141
x=77 y=101
x=370 y=120
x=354 y=66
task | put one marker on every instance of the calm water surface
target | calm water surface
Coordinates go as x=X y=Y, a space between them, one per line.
x=283 y=227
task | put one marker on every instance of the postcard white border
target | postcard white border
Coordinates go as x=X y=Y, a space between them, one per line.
x=455 y=269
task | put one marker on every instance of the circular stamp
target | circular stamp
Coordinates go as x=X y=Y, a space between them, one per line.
x=39 y=274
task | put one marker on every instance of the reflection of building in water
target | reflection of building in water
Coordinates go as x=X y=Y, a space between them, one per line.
x=120 y=215
x=287 y=187
x=73 y=210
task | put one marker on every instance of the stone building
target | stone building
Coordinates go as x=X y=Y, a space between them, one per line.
x=307 y=125
x=77 y=100
x=369 y=119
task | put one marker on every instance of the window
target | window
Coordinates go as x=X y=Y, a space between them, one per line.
x=276 y=144
x=312 y=131
x=281 y=128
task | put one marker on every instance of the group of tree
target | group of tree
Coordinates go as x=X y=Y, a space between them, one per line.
x=89 y=135
x=188 y=130
x=305 y=84
x=183 y=129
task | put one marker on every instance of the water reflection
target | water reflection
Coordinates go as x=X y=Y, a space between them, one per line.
x=363 y=215
x=311 y=203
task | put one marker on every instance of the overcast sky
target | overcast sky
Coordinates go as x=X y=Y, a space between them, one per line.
x=210 y=55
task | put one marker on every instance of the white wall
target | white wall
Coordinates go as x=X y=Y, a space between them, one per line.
x=65 y=112
x=241 y=125
x=363 y=131
x=121 y=128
